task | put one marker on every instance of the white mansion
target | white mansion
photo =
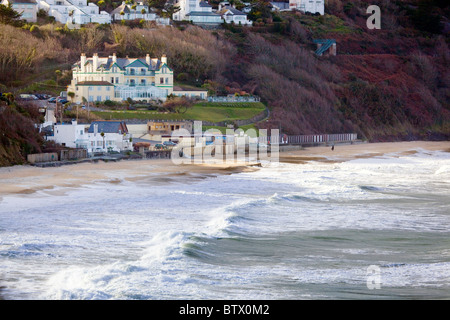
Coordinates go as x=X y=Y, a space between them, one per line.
x=117 y=79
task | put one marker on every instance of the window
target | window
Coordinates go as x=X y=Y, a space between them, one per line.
x=161 y=81
x=99 y=143
x=99 y=88
x=99 y=98
x=91 y=98
x=108 y=88
x=90 y=88
x=117 y=79
x=167 y=80
x=112 y=79
x=107 y=98
x=143 y=82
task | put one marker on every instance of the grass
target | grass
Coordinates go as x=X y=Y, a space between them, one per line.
x=322 y=25
x=204 y=111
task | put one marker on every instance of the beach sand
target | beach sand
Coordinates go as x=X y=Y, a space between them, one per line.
x=29 y=179
x=361 y=150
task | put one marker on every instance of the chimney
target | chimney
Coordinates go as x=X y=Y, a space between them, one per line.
x=95 y=61
x=95 y=129
x=83 y=62
x=147 y=59
x=164 y=59
x=114 y=58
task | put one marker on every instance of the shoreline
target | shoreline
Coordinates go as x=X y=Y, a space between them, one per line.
x=27 y=179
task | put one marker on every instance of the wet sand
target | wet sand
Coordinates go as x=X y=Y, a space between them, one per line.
x=29 y=179
x=361 y=150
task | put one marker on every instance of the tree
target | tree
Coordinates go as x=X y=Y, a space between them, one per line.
x=103 y=136
x=178 y=104
x=8 y=15
x=71 y=95
x=8 y=97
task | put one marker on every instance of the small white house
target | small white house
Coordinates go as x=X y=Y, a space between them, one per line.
x=312 y=6
x=28 y=8
x=230 y=14
x=74 y=11
x=198 y=12
x=138 y=11
x=100 y=136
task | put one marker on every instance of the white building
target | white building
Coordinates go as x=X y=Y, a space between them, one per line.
x=28 y=8
x=140 y=12
x=312 y=6
x=230 y=14
x=74 y=11
x=100 y=136
x=198 y=12
x=117 y=79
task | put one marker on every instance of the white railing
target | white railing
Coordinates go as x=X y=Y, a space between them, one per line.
x=312 y=138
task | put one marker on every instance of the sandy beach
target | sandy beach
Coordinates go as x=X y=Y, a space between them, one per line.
x=361 y=150
x=29 y=179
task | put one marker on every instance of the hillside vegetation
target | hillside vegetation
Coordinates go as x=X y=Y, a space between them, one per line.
x=388 y=84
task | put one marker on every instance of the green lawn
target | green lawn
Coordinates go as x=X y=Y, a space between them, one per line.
x=205 y=111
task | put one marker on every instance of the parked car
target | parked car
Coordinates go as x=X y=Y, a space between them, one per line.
x=52 y=100
x=62 y=101
x=169 y=143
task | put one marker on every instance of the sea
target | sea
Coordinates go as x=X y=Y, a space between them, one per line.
x=367 y=228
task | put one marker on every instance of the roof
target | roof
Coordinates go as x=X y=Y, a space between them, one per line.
x=109 y=127
x=204 y=4
x=121 y=8
x=202 y=13
x=107 y=62
x=23 y=1
x=179 y=88
x=94 y=83
x=234 y=11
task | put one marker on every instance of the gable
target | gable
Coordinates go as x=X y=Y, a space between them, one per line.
x=137 y=64
x=164 y=65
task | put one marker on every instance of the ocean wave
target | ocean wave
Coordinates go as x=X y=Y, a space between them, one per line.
x=160 y=262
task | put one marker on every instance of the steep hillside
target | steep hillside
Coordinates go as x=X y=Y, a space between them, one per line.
x=387 y=84
x=18 y=135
